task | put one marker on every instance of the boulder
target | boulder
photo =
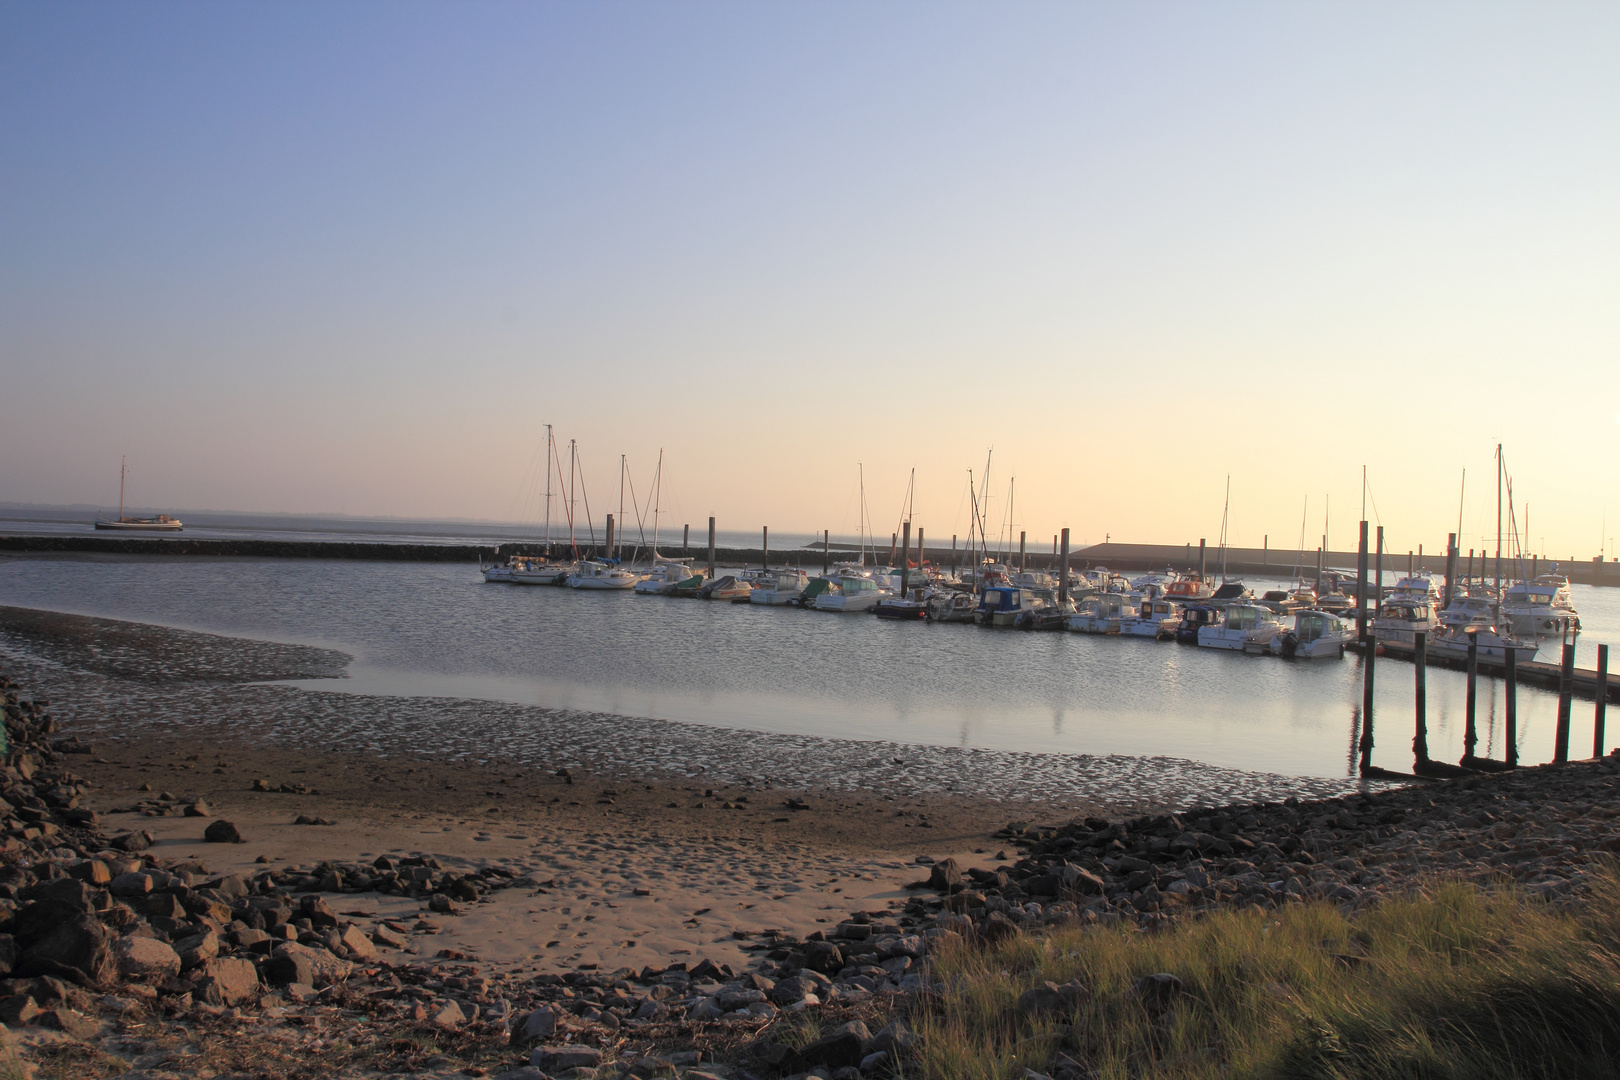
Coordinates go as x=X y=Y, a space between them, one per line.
x=841 y=1048
x=556 y=1059
x=450 y=1016
x=823 y=956
x=1050 y=999
x=78 y=948
x=359 y=946
x=222 y=832
x=197 y=949
x=294 y=963
x=228 y=981
x=132 y=884
x=541 y=1024
x=944 y=877
x=1158 y=992
x=145 y=959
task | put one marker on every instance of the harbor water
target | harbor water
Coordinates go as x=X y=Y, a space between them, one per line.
x=437 y=630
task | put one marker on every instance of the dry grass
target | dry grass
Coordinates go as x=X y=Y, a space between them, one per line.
x=1458 y=981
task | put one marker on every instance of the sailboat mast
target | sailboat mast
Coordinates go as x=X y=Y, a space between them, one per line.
x=862 y=526
x=572 y=543
x=1499 y=525
x=1224 y=509
x=658 y=495
x=548 y=490
x=620 y=518
x=123 y=468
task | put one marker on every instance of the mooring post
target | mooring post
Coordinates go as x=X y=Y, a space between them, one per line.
x=1200 y=558
x=1378 y=605
x=1063 y=569
x=1420 y=658
x=1361 y=588
x=1409 y=570
x=711 y=549
x=1510 y=707
x=826 y=551
x=765 y=548
x=1451 y=565
x=1023 y=554
x=1367 y=705
x=686 y=541
x=1566 y=679
x=1320 y=556
x=920 y=559
x=1533 y=567
x=1602 y=701
x=608 y=540
x=953 y=554
x=1470 y=725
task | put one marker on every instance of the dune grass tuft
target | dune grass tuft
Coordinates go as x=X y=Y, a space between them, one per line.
x=1455 y=981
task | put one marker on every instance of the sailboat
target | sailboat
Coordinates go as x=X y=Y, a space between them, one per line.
x=1230 y=591
x=851 y=586
x=667 y=574
x=161 y=523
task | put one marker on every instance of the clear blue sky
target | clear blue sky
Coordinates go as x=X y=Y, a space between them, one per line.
x=350 y=257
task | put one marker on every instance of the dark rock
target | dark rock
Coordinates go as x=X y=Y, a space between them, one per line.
x=1051 y=999
x=77 y=948
x=556 y=1059
x=1158 y=992
x=823 y=956
x=998 y=928
x=222 y=832
x=841 y=1048
x=945 y=876
x=228 y=981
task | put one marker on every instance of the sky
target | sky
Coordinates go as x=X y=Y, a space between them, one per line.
x=352 y=258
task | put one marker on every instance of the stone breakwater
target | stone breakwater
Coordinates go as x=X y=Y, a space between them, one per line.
x=114 y=678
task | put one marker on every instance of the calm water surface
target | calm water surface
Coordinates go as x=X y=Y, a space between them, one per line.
x=439 y=630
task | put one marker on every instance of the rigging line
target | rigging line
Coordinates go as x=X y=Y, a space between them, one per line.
x=520 y=500
x=586 y=495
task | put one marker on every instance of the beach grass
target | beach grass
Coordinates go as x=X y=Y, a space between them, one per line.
x=1457 y=980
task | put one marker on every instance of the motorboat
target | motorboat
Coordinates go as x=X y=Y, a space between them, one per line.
x=730 y=587
x=1100 y=614
x=913 y=606
x=953 y=606
x=1194 y=617
x=1189 y=590
x=1400 y=620
x=1453 y=641
x=1315 y=634
x=591 y=574
x=850 y=594
x=1230 y=592
x=1243 y=628
x=781 y=587
x=1153 y=618
x=1282 y=601
x=1541 y=607
x=1046 y=613
x=663 y=579
x=1000 y=605
x=1416 y=587
x=1033 y=579
x=1468 y=610
x=1156 y=579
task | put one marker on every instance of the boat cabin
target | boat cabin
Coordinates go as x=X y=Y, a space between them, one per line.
x=996 y=598
x=1312 y=625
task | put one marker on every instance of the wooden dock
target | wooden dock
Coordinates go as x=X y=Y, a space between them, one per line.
x=1532 y=672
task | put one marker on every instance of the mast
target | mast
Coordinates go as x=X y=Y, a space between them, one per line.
x=658 y=495
x=1461 y=492
x=572 y=543
x=548 y=490
x=123 y=467
x=861 y=469
x=1224 y=510
x=1006 y=547
x=1499 y=529
x=620 y=518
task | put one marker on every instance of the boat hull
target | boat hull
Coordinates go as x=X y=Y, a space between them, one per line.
x=141 y=526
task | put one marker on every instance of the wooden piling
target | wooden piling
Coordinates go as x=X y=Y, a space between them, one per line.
x=953 y=554
x=905 y=557
x=1510 y=707
x=1420 y=740
x=1470 y=723
x=1566 y=676
x=1451 y=565
x=1367 y=702
x=1378 y=604
x=1063 y=568
x=1320 y=556
x=1409 y=569
x=711 y=549
x=920 y=560
x=1200 y=558
x=765 y=548
x=608 y=539
x=686 y=541
x=826 y=551
x=1602 y=701
x=1265 y=551
x=1023 y=556
x=1361 y=589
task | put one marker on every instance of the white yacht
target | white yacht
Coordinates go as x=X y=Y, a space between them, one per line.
x=1400 y=620
x=1468 y=611
x=1541 y=607
x=1156 y=579
x=850 y=594
x=663 y=578
x=1452 y=641
x=1243 y=628
x=598 y=575
x=1100 y=614
x=1314 y=634
x=1419 y=587
x=1154 y=618
x=782 y=587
